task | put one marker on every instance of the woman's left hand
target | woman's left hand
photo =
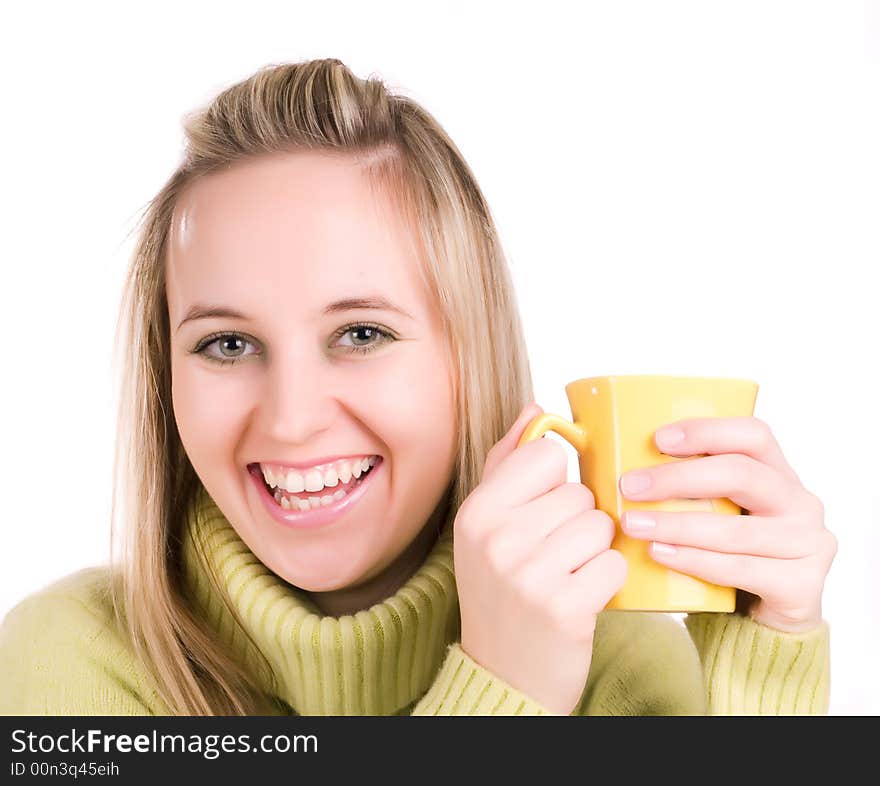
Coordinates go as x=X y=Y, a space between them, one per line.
x=780 y=550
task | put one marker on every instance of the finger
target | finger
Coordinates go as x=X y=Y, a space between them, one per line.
x=574 y=543
x=507 y=444
x=758 y=575
x=759 y=488
x=745 y=434
x=528 y=472
x=753 y=535
x=518 y=535
x=588 y=590
x=539 y=517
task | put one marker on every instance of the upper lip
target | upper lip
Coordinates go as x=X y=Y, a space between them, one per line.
x=313 y=462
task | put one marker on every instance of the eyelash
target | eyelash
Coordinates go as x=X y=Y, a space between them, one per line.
x=215 y=337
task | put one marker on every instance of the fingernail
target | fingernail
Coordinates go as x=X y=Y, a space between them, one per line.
x=635 y=482
x=663 y=549
x=639 y=521
x=669 y=436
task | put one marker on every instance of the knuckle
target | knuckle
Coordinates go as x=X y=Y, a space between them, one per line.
x=831 y=543
x=764 y=431
x=588 y=496
x=530 y=584
x=816 y=504
x=470 y=523
x=740 y=467
x=499 y=552
x=488 y=463
x=581 y=496
x=618 y=567
x=592 y=533
x=554 y=455
x=601 y=520
x=465 y=519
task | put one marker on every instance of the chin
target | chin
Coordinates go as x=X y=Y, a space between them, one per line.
x=319 y=581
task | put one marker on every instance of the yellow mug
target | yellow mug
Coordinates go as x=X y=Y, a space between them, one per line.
x=614 y=420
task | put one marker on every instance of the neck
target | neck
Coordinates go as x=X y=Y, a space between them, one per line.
x=377 y=661
x=386 y=582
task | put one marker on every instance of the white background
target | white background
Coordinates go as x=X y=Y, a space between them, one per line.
x=681 y=188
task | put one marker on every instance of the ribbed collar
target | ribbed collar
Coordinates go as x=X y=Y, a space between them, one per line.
x=378 y=661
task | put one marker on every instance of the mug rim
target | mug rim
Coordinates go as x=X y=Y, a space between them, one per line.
x=681 y=377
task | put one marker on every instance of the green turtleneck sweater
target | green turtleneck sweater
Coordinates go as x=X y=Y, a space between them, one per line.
x=61 y=655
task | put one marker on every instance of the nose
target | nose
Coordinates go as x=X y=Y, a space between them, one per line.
x=299 y=400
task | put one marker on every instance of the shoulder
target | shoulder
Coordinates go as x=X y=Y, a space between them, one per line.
x=644 y=663
x=81 y=598
x=62 y=654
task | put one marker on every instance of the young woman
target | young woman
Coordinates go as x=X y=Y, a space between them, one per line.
x=324 y=510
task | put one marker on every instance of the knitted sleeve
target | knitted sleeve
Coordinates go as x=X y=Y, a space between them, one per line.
x=58 y=657
x=464 y=687
x=752 y=669
x=642 y=664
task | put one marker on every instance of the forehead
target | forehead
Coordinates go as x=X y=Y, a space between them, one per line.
x=303 y=224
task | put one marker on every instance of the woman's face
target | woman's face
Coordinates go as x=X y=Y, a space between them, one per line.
x=279 y=240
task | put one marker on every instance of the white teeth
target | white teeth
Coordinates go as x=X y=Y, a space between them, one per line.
x=314 y=481
x=301 y=504
x=311 y=503
x=318 y=479
x=294 y=481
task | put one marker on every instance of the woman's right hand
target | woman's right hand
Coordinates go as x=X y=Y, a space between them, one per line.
x=533 y=567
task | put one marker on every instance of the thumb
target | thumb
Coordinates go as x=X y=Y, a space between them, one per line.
x=507 y=444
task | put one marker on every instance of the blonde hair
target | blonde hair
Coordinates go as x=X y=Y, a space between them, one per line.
x=316 y=105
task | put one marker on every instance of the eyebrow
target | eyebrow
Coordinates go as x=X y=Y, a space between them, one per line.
x=375 y=302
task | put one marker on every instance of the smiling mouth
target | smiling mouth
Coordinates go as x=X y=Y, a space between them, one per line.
x=312 y=500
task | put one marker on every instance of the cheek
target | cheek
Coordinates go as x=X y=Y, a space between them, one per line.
x=204 y=418
x=413 y=411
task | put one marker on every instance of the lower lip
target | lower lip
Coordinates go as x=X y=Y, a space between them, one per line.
x=319 y=517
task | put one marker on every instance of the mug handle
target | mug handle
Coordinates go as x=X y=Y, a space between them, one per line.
x=546 y=421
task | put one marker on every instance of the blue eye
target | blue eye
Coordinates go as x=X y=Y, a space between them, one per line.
x=373 y=331
x=219 y=338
